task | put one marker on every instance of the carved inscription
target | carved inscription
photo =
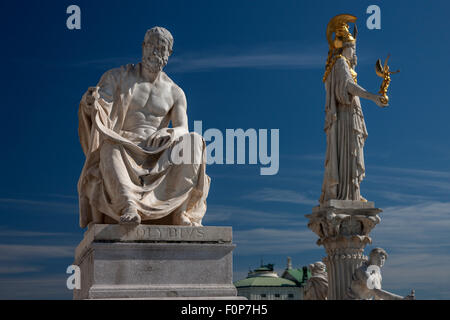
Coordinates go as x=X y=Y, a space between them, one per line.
x=165 y=233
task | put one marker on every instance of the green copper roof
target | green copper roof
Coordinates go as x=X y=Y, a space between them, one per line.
x=264 y=282
x=298 y=274
x=263 y=268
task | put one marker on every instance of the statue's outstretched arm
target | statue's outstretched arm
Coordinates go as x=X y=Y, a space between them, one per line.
x=356 y=90
x=385 y=295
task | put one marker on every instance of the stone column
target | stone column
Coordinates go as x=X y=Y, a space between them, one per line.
x=343 y=227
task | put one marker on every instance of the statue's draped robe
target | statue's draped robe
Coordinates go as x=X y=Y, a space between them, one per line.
x=316 y=288
x=358 y=289
x=120 y=172
x=346 y=133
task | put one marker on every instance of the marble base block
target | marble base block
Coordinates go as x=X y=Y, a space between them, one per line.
x=155 y=262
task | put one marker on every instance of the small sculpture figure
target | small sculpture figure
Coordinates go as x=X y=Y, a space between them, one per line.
x=385 y=73
x=317 y=286
x=366 y=281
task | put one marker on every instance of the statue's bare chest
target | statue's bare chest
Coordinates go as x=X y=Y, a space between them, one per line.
x=151 y=100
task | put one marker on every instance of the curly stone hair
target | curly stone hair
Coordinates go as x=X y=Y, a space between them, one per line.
x=161 y=32
x=378 y=251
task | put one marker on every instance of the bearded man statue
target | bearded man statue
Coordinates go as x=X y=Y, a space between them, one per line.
x=133 y=173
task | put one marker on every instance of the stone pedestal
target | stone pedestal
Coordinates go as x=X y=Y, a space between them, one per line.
x=343 y=227
x=155 y=262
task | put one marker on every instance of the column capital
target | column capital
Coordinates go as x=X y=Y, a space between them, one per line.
x=344 y=224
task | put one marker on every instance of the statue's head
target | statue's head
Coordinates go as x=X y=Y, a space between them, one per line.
x=156 y=48
x=338 y=26
x=349 y=51
x=377 y=257
x=343 y=42
x=316 y=268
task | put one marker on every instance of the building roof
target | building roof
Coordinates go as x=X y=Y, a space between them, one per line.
x=297 y=274
x=263 y=268
x=264 y=282
x=265 y=276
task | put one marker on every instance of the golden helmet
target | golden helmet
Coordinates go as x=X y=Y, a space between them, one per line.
x=338 y=25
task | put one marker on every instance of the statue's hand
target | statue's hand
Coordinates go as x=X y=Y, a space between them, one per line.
x=158 y=139
x=90 y=96
x=378 y=101
x=410 y=296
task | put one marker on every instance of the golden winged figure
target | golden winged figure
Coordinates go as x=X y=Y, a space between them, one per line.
x=384 y=72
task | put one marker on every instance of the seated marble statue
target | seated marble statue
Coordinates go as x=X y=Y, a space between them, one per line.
x=129 y=176
x=366 y=281
x=316 y=287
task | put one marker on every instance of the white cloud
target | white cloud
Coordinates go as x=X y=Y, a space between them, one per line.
x=279 y=241
x=266 y=56
x=427 y=273
x=31 y=205
x=414 y=172
x=45 y=287
x=14 y=269
x=403 y=197
x=416 y=236
x=429 y=184
x=238 y=216
x=417 y=239
x=428 y=221
x=27 y=234
x=313 y=157
x=11 y=252
x=246 y=60
x=280 y=195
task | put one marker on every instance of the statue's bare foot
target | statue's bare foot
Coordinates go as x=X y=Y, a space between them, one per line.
x=130 y=216
x=363 y=199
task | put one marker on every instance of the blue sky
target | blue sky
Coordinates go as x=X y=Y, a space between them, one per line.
x=242 y=64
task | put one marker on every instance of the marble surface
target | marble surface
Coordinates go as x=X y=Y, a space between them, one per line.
x=345 y=126
x=366 y=280
x=134 y=172
x=344 y=233
x=156 y=262
x=316 y=287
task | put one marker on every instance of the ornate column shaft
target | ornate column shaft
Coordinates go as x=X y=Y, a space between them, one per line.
x=343 y=227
